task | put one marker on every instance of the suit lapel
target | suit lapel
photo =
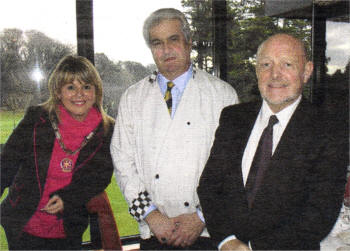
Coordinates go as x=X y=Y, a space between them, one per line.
x=297 y=130
x=289 y=148
x=243 y=124
x=240 y=123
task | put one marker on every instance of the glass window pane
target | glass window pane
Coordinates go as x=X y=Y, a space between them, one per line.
x=34 y=35
x=337 y=63
x=338 y=45
x=119 y=44
x=248 y=26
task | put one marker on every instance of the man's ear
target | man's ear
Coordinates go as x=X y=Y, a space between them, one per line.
x=309 y=67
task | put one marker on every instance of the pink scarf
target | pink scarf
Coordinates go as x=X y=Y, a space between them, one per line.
x=60 y=171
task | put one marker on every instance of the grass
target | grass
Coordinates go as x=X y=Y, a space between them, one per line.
x=8 y=121
x=126 y=224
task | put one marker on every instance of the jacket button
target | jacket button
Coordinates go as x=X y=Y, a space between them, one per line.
x=186 y=204
x=157 y=176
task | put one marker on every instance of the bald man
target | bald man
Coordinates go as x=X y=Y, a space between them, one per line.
x=275 y=176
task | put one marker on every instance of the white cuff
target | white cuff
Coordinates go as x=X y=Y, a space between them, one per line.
x=200 y=215
x=228 y=238
x=151 y=208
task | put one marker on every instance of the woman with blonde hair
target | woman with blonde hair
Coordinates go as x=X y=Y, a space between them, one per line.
x=56 y=160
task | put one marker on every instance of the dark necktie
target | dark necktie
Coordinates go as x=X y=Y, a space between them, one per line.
x=261 y=161
x=167 y=97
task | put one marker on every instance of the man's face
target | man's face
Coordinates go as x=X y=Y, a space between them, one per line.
x=169 y=48
x=282 y=71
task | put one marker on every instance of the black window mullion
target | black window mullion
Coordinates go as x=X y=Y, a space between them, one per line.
x=85 y=29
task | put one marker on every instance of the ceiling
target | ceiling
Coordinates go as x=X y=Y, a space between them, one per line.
x=337 y=10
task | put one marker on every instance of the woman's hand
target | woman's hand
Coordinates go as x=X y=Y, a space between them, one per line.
x=54 y=205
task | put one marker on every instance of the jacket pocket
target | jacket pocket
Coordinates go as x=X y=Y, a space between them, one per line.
x=15 y=194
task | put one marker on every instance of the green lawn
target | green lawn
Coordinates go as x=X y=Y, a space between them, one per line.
x=126 y=224
x=8 y=121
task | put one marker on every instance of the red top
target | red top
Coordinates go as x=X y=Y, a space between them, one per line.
x=59 y=175
x=347 y=189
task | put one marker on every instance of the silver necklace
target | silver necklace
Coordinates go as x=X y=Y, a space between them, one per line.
x=67 y=163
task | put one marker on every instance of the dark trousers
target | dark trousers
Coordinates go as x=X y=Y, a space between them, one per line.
x=202 y=243
x=30 y=242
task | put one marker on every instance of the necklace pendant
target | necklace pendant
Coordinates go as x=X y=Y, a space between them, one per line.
x=66 y=165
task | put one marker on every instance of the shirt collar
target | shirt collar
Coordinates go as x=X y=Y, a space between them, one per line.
x=283 y=116
x=180 y=82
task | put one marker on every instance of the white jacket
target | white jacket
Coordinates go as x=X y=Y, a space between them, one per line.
x=163 y=156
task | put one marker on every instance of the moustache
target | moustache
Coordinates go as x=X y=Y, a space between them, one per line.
x=277 y=84
x=168 y=56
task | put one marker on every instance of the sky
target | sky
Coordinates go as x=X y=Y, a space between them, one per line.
x=338 y=44
x=118 y=26
x=117 y=23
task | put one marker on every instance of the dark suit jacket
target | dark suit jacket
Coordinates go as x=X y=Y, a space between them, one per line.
x=302 y=191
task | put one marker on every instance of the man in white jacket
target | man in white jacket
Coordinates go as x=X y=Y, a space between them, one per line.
x=163 y=136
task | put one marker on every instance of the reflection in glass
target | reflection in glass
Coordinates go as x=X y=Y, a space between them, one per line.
x=31 y=47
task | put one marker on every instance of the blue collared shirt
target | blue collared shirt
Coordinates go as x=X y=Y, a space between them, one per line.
x=177 y=91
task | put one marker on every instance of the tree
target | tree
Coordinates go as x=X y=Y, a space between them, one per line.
x=114 y=82
x=337 y=89
x=44 y=53
x=136 y=70
x=200 y=17
x=117 y=77
x=15 y=88
x=247 y=27
x=20 y=54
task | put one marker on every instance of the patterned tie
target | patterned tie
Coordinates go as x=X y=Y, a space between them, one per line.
x=167 y=97
x=261 y=161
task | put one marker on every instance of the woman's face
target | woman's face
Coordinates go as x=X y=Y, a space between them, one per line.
x=78 y=97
